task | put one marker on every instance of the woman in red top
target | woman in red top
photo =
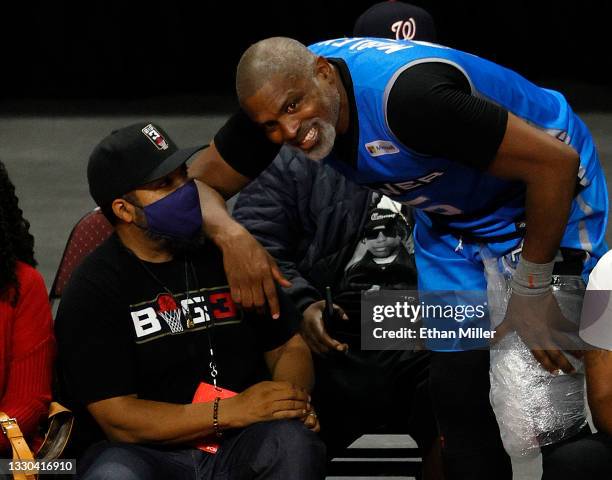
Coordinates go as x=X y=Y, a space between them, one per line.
x=27 y=345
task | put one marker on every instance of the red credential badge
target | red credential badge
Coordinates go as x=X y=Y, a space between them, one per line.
x=207 y=393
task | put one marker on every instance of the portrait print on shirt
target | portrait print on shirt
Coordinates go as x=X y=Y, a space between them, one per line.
x=383 y=258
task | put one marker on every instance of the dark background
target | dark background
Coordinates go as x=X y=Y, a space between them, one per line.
x=136 y=50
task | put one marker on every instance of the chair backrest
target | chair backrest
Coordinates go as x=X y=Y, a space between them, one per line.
x=89 y=232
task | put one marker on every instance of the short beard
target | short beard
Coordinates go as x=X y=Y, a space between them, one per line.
x=176 y=245
x=326 y=128
x=325 y=144
x=172 y=245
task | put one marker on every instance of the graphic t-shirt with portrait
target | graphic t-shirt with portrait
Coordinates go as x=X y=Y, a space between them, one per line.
x=383 y=258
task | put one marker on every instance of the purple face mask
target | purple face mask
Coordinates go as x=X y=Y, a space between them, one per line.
x=177 y=214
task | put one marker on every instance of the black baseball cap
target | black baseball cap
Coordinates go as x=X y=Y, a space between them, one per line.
x=398 y=20
x=382 y=219
x=131 y=157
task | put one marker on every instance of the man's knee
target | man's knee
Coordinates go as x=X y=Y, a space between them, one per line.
x=293 y=436
x=292 y=443
x=275 y=449
x=115 y=462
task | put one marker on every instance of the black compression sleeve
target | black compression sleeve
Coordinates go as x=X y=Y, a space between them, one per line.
x=243 y=145
x=431 y=111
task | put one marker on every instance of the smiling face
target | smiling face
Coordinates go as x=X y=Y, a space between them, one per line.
x=300 y=112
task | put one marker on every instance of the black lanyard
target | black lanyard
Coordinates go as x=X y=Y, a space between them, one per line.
x=214 y=372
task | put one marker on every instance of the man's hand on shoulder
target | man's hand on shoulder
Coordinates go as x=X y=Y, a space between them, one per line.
x=251 y=271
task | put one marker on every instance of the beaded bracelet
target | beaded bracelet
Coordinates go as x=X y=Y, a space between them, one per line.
x=218 y=431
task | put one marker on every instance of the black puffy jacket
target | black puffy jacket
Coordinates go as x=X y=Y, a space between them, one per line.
x=308 y=217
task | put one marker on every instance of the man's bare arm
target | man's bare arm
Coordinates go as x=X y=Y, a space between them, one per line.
x=549 y=169
x=598 y=364
x=134 y=420
x=250 y=270
x=292 y=362
x=209 y=167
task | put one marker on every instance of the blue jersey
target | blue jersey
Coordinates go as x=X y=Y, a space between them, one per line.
x=463 y=199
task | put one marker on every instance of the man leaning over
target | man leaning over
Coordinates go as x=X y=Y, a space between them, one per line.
x=484 y=156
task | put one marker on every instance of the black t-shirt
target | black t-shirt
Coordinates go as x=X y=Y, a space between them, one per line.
x=430 y=110
x=119 y=329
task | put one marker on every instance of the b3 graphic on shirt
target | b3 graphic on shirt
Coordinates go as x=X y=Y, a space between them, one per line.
x=163 y=316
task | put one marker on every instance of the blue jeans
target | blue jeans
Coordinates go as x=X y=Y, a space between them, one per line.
x=280 y=449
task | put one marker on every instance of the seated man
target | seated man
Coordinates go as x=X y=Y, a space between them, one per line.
x=148 y=318
x=324 y=230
